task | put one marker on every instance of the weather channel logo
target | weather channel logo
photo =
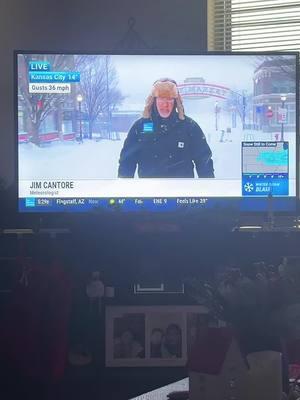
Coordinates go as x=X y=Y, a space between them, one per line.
x=148 y=127
x=30 y=202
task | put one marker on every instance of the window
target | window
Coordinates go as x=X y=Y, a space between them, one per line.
x=282 y=86
x=251 y=25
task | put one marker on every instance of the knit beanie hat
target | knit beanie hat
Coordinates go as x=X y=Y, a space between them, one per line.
x=165 y=88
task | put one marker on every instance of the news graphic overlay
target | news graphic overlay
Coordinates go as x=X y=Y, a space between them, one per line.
x=43 y=80
x=155 y=132
x=265 y=168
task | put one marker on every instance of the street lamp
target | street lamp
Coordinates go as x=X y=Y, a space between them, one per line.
x=244 y=111
x=79 y=99
x=283 y=100
x=216 y=114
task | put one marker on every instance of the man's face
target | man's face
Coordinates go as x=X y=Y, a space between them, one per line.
x=165 y=106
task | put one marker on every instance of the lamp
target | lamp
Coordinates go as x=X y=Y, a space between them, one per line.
x=283 y=100
x=80 y=99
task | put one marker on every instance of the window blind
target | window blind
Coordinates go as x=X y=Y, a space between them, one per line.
x=251 y=25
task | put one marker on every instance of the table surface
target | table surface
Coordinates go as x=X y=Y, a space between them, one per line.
x=162 y=392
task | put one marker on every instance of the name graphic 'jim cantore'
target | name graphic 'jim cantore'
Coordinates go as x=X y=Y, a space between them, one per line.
x=52 y=185
x=40 y=72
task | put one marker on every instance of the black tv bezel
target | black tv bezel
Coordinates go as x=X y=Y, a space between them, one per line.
x=150 y=52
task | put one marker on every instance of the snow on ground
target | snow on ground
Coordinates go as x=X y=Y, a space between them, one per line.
x=88 y=160
x=100 y=160
x=227 y=154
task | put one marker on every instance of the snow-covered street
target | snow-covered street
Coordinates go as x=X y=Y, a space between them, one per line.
x=99 y=159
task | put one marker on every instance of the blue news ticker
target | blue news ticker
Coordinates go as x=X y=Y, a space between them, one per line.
x=54 y=77
x=246 y=204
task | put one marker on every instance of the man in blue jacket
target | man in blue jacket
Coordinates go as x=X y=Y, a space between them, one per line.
x=165 y=143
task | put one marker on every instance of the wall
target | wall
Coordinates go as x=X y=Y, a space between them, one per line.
x=91 y=25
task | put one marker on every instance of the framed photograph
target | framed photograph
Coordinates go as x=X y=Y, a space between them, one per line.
x=148 y=336
x=129 y=336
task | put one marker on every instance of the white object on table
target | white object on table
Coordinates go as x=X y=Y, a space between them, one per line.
x=162 y=393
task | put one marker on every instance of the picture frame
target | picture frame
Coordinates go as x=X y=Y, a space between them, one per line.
x=150 y=336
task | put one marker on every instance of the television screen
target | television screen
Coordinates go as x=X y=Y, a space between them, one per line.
x=156 y=132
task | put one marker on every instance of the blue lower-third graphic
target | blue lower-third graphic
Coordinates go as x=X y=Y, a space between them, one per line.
x=265 y=185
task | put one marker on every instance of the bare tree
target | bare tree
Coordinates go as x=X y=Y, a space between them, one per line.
x=38 y=105
x=81 y=61
x=99 y=86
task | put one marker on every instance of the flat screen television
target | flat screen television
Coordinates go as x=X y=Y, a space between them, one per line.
x=156 y=132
